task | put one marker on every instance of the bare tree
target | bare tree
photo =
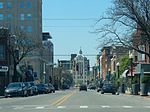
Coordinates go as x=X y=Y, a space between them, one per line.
x=123 y=19
x=20 y=45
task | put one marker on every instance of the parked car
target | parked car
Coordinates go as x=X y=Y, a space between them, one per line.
x=83 y=87
x=92 y=87
x=16 y=89
x=65 y=86
x=43 y=88
x=29 y=88
x=108 y=88
x=34 y=88
x=51 y=87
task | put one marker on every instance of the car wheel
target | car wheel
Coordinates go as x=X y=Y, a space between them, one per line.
x=102 y=92
x=113 y=93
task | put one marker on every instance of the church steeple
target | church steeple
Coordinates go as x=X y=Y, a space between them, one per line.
x=80 y=52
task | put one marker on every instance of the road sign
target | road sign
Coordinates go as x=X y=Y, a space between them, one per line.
x=3 y=68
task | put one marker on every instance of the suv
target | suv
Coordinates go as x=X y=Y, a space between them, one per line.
x=108 y=88
x=83 y=87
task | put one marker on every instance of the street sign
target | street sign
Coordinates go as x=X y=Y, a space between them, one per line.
x=3 y=68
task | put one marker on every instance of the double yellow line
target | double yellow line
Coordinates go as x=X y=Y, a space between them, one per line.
x=62 y=99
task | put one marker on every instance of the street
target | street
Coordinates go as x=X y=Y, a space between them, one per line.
x=76 y=101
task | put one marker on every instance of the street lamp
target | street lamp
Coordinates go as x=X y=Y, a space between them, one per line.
x=118 y=81
x=118 y=67
x=131 y=68
x=109 y=72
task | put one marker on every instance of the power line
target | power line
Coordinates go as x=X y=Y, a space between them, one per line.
x=68 y=26
x=64 y=55
x=70 y=19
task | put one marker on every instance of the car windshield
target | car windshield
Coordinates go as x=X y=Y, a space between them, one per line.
x=14 y=85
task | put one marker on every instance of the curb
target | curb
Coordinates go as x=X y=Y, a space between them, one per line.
x=1 y=97
x=138 y=95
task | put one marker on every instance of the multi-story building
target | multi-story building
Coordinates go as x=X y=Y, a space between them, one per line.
x=110 y=57
x=24 y=16
x=81 y=69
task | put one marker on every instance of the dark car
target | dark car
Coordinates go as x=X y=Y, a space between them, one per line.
x=108 y=88
x=34 y=88
x=83 y=87
x=29 y=88
x=65 y=86
x=92 y=87
x=51 y=87
x=16 y=89
x=43 y=88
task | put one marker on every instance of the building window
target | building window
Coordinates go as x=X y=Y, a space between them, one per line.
x=22 y=28
x=29 y=29
x=22 y=5
x=1 y=16
x=22 y=16
x=8 y=5
x=9 y=16
x=2 y=52
x=1 y=5
x=29 y=5
x=29 y=16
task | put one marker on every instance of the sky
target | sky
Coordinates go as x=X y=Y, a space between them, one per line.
x=70 y=23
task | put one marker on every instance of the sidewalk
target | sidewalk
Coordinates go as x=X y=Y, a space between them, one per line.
x=129 y=93
x=1 y=97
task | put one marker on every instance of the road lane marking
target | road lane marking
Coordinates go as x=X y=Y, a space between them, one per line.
x=83 y=107
x=127 y=106
x=63 y=100
x=18 y=107
x=61 y=107
x=147 y=106
x=57 y=101
x=41 y=107
x=105 y=106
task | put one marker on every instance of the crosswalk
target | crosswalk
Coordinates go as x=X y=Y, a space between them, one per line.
x=41 y=107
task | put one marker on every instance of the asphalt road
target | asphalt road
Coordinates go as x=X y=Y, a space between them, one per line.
x=76 y=101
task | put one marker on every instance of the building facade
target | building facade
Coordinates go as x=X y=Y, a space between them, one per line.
x=81 y=69
x=24 y=16
x=109 y=58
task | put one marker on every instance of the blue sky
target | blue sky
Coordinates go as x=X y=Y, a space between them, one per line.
x=70 y=23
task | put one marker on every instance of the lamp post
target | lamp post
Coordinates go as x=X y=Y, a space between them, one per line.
x=118 y=69
x=131 y=68
x=118 y=79
x=109 y=72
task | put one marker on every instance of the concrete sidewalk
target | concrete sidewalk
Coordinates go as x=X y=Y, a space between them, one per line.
x=129 y=93
x=1 y=97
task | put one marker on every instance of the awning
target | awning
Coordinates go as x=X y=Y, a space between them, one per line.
x=124 y=74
